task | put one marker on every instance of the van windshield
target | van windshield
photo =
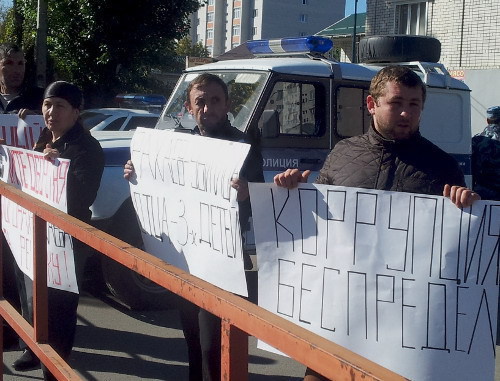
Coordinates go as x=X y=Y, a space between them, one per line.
x=244 y=88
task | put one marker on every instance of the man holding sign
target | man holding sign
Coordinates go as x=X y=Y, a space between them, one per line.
x=208 y=102
x=64 y=137
x=392 y=155
x=15 y=98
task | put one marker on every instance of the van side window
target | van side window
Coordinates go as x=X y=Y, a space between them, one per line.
x=294 y=108
x=353 y=117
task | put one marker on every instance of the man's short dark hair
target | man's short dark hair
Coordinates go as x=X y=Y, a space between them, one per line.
x=7 y=49
x=205 y=79
x=395 y=73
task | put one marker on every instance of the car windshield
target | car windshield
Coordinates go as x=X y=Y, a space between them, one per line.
x=91 y=119
x=244 y=91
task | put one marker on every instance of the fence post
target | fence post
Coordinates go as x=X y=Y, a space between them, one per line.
x=40 y=291
x=234 y=350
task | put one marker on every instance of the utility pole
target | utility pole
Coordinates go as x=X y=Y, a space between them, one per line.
x=41 y=44
x=354 y=58
x=18 y=24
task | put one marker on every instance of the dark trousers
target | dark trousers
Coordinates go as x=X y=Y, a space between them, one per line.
x=62 y=308
x=202 y=332
x=10 y=289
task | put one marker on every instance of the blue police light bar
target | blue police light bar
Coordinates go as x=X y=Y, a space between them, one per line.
x=310 y=44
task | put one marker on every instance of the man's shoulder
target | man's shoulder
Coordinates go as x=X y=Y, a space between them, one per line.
x=233 y=131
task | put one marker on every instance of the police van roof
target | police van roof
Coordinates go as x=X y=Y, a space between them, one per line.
x=325 y=68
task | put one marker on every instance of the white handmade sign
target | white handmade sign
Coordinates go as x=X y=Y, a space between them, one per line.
x=46 y=181
x=186 y=206
x=409 y=281
x=21 y=133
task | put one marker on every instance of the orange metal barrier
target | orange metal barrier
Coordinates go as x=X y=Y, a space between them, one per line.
x=240 y=318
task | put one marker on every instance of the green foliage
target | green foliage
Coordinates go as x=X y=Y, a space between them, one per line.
x=185 y=47
x=110 y=46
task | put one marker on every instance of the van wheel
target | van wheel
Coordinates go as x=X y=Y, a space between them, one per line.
x=133 y=290
x=399 y=48
x=125 y=285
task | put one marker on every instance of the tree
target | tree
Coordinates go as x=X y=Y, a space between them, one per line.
x=110 y=46
x=185 y=47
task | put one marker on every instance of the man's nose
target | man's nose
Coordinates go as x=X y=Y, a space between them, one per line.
x=405 y=112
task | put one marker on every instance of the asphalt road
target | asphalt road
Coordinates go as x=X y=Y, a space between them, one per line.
x=113 y=343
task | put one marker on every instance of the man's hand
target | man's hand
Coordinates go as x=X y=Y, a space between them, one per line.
x=291 y=178
x=128 y=170
x=25 y=112
x=241 y=186
x=462 y=197
x=50 y=153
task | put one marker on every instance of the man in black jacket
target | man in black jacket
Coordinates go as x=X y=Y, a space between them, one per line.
x=15 y=95
x=15 y=98
x=208 y=102
x=392 y=155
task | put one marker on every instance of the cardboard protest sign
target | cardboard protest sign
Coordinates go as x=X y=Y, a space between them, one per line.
x=186 y=206
x=21 y=133
x=46 y=181
x=409 y=281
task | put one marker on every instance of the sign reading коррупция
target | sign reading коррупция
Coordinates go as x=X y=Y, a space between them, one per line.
x=409 y=281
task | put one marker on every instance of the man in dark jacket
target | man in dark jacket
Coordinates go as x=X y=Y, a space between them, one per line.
x=15 y=95
x=208 y=102
x=64 y=137
x=392 y=155
x=486 y=157
x=15 y=98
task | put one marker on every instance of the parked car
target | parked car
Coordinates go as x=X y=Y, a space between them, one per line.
x=298 y=107
x=117 y=119
x=148 y=102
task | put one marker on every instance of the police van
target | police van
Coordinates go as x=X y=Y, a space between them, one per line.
x=298 y=104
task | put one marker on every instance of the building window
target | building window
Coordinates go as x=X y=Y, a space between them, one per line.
x=210 y=33
x=303 y=18
x=211 y=2
x=254 y=31
x=236 y=30
x=210 y=16
x=412 y=18
x=255 y=12
x=236 y=13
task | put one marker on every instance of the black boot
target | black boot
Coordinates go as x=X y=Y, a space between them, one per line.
x=27 y=361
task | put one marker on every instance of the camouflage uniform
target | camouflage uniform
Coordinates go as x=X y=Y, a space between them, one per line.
x=486 y=162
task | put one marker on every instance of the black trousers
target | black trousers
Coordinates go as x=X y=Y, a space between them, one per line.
x=62 y=315
x=10 y=289
x=202 y=332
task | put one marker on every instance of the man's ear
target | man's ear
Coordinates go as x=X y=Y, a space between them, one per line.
x=188 y=107
x=370 y=104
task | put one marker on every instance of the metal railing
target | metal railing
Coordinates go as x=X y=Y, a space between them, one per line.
x=240 y=318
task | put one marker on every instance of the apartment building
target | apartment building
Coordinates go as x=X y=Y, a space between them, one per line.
x=469 y=32
x=224 y=24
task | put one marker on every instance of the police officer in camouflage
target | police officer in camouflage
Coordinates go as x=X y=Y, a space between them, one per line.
x=486 y=157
